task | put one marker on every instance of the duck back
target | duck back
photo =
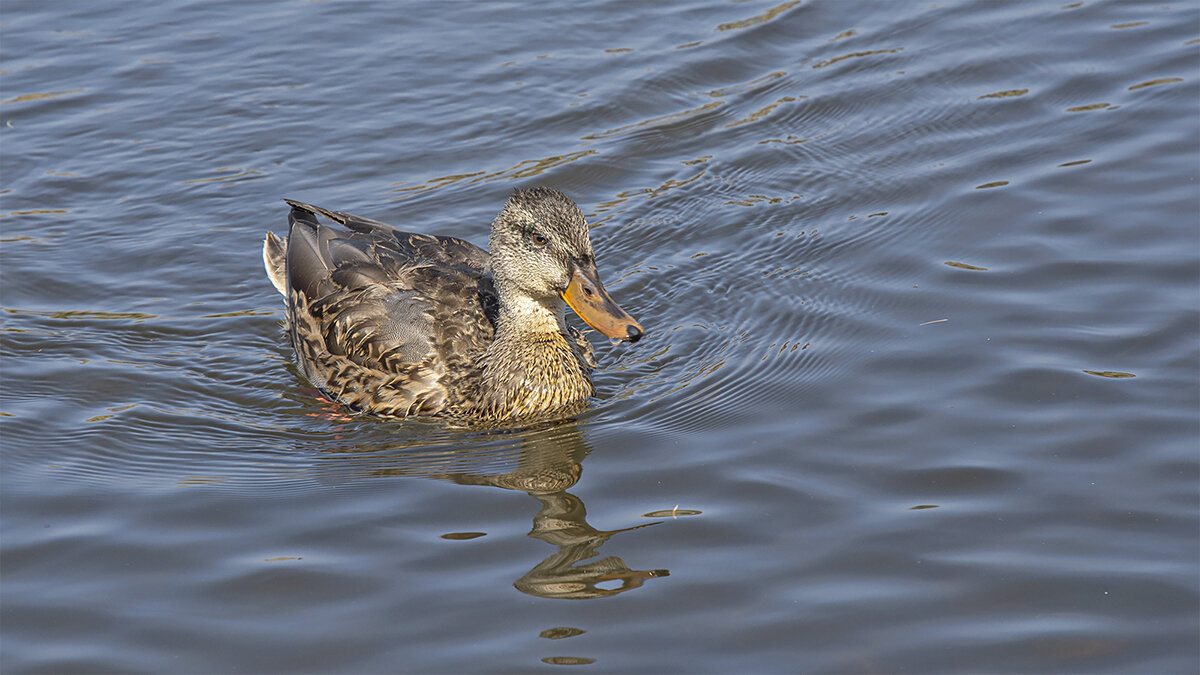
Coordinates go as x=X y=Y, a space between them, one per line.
x=384 y=320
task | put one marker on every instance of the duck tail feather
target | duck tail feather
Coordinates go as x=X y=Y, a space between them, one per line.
x=275 y=261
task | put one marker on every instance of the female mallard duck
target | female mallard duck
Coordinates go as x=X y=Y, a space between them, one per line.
x=395 y=323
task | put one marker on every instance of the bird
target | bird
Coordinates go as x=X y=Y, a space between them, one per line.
x=398 y=324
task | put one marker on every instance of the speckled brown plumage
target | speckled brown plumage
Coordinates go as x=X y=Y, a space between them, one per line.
x=397 y=324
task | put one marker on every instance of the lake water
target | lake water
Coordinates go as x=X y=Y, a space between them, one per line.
x=920 y=390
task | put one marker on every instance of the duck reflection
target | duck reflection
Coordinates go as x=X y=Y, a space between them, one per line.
x=562 y=522
x=548 y=462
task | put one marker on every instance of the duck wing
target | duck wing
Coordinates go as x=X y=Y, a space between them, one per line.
x=384 y=320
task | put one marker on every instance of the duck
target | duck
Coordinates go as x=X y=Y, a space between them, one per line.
x=398 y=324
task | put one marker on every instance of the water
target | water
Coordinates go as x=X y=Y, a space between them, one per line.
x=919 y=391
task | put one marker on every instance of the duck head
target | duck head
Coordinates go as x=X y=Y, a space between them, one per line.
x=541 y=252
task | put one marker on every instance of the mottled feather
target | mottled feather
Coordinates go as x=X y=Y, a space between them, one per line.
x=396 y=323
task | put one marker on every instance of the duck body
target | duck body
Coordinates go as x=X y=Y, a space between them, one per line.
x=395 y=323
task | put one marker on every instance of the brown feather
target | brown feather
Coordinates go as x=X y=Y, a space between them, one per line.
x=396 y=324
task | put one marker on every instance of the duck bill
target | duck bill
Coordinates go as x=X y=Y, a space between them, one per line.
x=587 y=297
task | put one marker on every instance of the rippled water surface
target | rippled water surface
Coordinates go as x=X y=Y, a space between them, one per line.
x=919 y=393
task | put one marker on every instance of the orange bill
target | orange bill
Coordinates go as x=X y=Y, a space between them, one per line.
x=586 y=295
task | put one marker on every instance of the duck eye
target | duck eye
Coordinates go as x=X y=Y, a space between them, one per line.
x=539 y=239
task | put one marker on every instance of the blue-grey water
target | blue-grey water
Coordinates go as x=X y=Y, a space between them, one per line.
x=920 y=391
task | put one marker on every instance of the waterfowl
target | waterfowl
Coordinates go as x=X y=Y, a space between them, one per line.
x=394 y=323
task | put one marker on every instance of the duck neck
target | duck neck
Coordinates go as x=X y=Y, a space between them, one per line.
x=531 y=366
x=522 y=315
